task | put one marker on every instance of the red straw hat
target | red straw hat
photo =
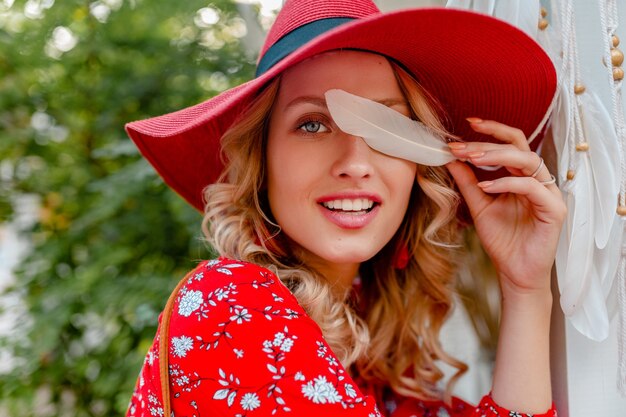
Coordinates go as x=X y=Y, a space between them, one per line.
x=473 y=64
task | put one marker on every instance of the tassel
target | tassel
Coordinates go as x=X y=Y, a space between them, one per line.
x=401 y=257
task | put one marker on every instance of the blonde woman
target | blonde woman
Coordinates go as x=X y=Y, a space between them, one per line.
x=337 y=260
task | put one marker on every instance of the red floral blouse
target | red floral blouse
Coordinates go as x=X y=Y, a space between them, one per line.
x=241 y=345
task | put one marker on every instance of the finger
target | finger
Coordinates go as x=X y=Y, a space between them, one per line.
x=500 y=131
x=465 y=179
x=462 y=148
x=521 y=163
x=548 y=206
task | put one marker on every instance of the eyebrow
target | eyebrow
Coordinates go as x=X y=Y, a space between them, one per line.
x=321 y=102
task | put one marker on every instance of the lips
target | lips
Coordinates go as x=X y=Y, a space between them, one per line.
x=350 y=210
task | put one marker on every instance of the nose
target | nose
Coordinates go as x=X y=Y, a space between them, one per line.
x=353 y=158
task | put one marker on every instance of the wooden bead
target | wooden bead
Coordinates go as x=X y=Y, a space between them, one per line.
x=579 y=88
x=621 y=210
x=544 y=12
x=543 y=24
x=582 y=147
x=614 y=41
x=618 y=74
x=617 y=57
x=570 y=174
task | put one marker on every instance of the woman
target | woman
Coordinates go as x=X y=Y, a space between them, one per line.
x=337 y=260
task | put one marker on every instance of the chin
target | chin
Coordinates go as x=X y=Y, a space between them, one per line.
x=350 y=255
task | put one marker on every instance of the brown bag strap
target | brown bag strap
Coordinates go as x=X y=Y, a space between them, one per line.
x=163 y=342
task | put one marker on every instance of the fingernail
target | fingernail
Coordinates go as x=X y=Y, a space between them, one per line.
x=485 y=184
x=475 y=155
x=474 y=120
x=457 y=145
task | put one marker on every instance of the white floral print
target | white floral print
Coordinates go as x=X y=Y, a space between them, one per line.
x=321 y=349
x=255 y=353
x=350 y=392
x=231 y=384
x=278 y=339
x=286 y=345
x=156 y=411
x=182 y=381
x=320 y=391
x=189 y=302
x=240 y=315
x=222 y=294
x=250 y=401
x=442 y=412
x=182 y=345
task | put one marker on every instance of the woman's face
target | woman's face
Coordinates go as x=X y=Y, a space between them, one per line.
x=339 y=200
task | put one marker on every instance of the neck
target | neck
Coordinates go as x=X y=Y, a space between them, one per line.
x=339 y=275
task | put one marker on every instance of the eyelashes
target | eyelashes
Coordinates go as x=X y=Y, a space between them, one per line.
x=313 y=124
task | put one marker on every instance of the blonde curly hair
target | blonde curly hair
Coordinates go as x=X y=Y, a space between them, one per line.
x=388 y=334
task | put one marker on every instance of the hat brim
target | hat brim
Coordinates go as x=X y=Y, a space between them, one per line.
x=473 y=64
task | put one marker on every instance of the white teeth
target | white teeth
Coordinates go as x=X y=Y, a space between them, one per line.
x=357 y=204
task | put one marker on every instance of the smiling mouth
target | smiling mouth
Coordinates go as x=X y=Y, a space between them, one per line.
x=350 y=206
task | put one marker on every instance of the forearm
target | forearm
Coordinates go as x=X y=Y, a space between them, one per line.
x=522 y=371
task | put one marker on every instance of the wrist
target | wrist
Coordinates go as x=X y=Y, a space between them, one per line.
x=539 y=297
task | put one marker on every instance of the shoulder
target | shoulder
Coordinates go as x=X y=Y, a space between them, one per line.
x=223 y=273
x=223 y=285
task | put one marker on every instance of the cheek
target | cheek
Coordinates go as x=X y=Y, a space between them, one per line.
x=290 y=175
x=401 y=179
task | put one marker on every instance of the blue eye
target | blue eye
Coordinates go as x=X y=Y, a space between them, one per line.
x=313 y=126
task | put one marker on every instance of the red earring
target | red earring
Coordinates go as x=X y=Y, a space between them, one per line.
x=401 y=256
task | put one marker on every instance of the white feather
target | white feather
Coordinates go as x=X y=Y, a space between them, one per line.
x=607 y=261
x=591 y=319
x=387 y=130
x=574 y=277
x=560 y=125
x=605 y=164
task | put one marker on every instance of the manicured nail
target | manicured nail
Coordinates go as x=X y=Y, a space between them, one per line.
x=474 y=120
x=485 y=184
x=475 y=155
x=457 y=145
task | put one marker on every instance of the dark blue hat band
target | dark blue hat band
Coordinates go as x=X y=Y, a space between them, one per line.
x=295 y=39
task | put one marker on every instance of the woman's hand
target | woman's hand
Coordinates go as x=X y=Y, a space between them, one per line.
x=518 y=219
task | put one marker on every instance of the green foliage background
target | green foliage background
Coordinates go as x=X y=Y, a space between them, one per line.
x=111 y=240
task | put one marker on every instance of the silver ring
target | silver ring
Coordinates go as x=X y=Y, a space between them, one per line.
x=551 y=181
x=534 y=174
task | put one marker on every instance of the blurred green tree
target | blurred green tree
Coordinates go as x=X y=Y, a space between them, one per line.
x=111 y=240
